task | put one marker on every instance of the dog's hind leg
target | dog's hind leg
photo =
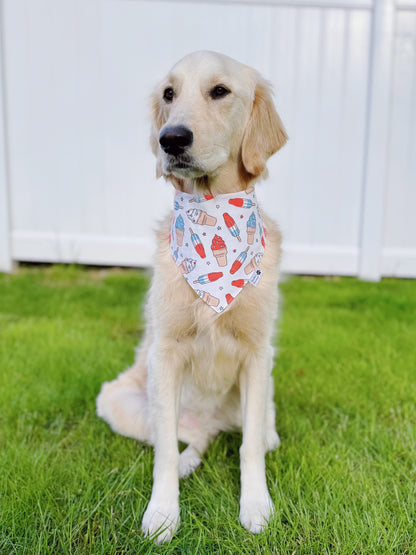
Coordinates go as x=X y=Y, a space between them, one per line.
x=272 y=440
x=123 y=402
x=191 y=457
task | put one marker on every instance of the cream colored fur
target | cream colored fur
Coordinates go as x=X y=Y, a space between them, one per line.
x=197 y=372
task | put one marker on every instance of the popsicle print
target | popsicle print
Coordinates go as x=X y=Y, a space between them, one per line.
x=239 y=282
x=232 y=226
x=202 y=199
x=206 y=278
x=196 y=242
x=238 y=262
x=229 y=298
x=242 y=202
x=262 y=235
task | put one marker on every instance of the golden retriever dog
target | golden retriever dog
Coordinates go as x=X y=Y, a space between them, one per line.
x=201 y=367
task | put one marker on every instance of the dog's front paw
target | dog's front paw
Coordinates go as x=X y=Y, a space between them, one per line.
x=255 y=512
x=160 y=521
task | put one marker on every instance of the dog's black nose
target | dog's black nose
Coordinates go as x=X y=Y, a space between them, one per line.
x=175 y=140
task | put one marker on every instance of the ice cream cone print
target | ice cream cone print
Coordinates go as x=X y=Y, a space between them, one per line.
x=219 y=250
x=179 y=236
x=232 y=226
x=249 y=190
x=179 y=229
x=242 y=202
x=239 y=261
x=187 y=265
x=200 y=217
x=177 y=205
x=251 y=228
x=253 y=264
x=196 y=242
x=207 y=278
x=209 y=299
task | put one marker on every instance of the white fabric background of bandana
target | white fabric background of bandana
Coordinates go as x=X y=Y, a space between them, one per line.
x=217 y=242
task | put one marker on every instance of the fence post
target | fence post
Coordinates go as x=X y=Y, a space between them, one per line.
x=377 y=139
x=6 y=264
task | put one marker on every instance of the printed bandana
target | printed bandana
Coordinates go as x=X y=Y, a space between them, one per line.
x=218 y=242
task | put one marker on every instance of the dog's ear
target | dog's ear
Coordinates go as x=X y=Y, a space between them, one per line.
x=264 y=134
x=156 y=125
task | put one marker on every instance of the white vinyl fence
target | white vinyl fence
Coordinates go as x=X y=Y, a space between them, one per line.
x=77 y=177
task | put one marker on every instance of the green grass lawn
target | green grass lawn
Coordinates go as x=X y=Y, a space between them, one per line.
x=343 y=480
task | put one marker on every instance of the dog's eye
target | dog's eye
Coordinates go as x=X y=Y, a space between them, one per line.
x=218 y=91
x=168 y=94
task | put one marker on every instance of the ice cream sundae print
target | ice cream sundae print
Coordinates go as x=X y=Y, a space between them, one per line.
x=200 y=217
x=187 y=265
x=217 y=244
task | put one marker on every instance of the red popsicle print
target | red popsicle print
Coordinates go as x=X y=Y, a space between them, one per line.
x=229 y=298
x=239 y=282
x=263 y=234
x=242 y=202
x=202 y=199
x=239 y=261
x=198 y=246
x=213 y=276
x=230 y=223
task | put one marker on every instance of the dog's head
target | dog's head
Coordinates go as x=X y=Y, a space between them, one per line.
x=213 y=115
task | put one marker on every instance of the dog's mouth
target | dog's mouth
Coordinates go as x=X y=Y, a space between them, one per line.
x=183 y=166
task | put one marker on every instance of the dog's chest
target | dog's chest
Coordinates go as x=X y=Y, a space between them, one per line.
x=214 y=360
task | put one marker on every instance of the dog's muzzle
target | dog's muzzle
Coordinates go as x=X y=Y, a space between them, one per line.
x=176 y=140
